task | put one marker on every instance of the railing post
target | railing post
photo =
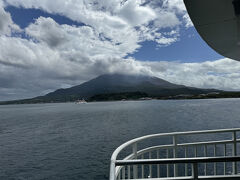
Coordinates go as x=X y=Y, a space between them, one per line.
x=205 y=164
x=135 y=173
x=186 y=165
x=123 y=172
x=158 y=166
x=234 y=151
x=215 y=164
x=168 y=174
x=195 y=171
x=129 y=172
x=150 y=166
x=112 y=175
x=175 y=154
x=225 y=154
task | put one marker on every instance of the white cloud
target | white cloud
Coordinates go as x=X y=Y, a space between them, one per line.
x=71 y=40
x=166 y=41
x=111 y=18
x=178 y=7
x=136 y=14
x=219 y=74
x=166 y=19
x=48 y=31
x=188 y=21
x=175 y=5
x=6 y=24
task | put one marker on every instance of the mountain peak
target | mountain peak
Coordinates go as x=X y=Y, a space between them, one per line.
x=131 y=80
x=121 y=83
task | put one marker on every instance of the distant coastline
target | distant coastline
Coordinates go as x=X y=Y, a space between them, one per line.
x=129 y=96
x=122 y=87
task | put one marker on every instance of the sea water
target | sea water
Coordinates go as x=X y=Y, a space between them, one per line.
x=75 y=141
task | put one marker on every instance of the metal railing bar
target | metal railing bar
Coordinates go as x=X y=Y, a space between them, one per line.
x=215 y=154
x=234 y=136
x=195 y=151
x=208 y=143
x=120 y=148
x=153 y=148
x=146 y=150
x=195 y=171
x=115 y=170
x=123 y=172
x=225 y=154
x=142 y=168
x=168 y=167
x=129 y=172
x=178 y=160
x=170 y=178
x=182 y=145
x=165 y=178
x=186 y=165
x=218 y=177
x=112 y=170
x=158 y=166
x=129 y=157
x=175 y=167
x=134 y=149
x=150 y=165
x=205 y=154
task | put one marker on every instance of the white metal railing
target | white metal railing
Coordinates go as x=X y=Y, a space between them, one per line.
x=187 y=156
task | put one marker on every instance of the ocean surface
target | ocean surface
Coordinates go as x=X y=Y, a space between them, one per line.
x=75 y=141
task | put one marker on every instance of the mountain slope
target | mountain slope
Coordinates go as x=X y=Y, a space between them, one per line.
x=118 y=83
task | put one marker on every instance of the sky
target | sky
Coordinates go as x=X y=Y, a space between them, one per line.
x=46 y=45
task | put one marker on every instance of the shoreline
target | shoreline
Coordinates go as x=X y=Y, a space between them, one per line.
x=126 y=100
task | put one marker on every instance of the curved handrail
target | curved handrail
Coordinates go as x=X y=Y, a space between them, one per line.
x=137 y=140
x=131 y=142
